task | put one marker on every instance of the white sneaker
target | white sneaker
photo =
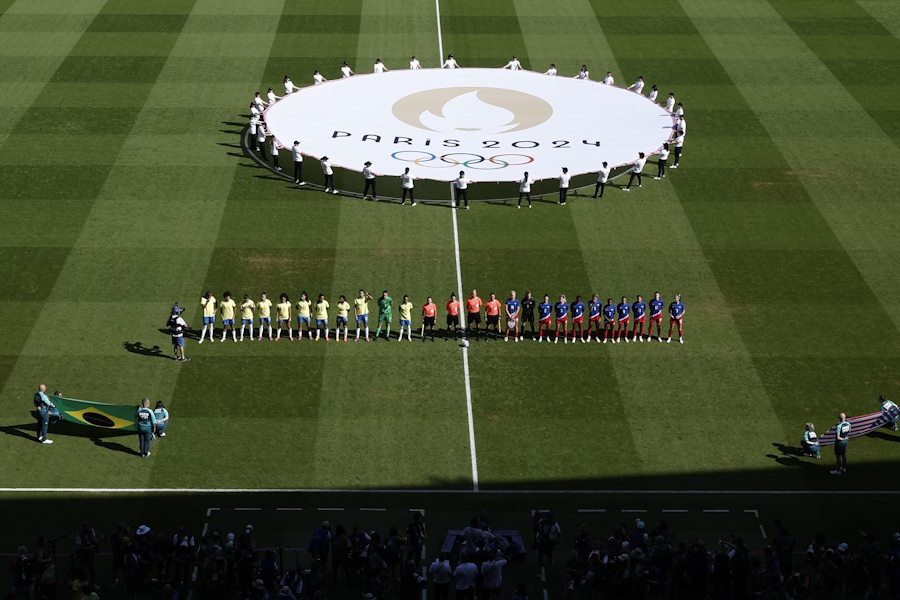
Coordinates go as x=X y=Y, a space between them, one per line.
x=327 y=190
x=565 y=340
x=540 y=340
x=604 y=341
x=668 y=340
x=163 y=434
x=680 y=340
x=413 y=204
x=334 y=191
x=659 y=339
x=641 y=339
x=517 y=341
x=148 y=454
x=556 y=340
x=201 y=341
x=506 y=339
x=582 y=340
x=626 y=339
x=301 y=183
x=47 y=441
x=626 y=190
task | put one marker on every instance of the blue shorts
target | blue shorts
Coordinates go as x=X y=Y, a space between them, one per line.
x=321 y=322
x=246 y=321
x=404 y=322
x=265 y=320
x=209 y=320
x=302 y=320
x=227 y=321
x=178 y=341
x=362 y=319
x=340 y=320
x=284 y=321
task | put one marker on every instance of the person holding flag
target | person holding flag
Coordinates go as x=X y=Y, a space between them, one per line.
x=595 y=307
x=545 y=309
x=676 y=316
x=384 y=314
x=890 y=410
x=208 y=303
x=146 y=424
x=513 y=307
x=578 y=318
x=429 y=316
x=342 y=308
x=841 y=437
x=656 y=310
x=361 y=308
x=43 y=405
x=162 y=418
x=810 y=442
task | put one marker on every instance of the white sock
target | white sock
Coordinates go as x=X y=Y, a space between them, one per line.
x=291 y=332
x=346 y=331
x=203 y=333
x=242 y=331
x=251 y=329
x=357 y=333
x=367 y=332
x=234 y=335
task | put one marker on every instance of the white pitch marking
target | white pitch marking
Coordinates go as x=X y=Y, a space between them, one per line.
x=674 y=510
x=437 y=10
x=753 y=511
x=592 y=510
x=634 y=510
x=248 y=509
x=205 y=528
x=762 y=530
x=373 y=509
x=513 y=492
x=330 y=509
x=715 y=510
x=288 y=508
x=209 y=511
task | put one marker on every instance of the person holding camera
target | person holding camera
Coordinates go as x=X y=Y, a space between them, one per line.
x=44 y=410
x=177 y=325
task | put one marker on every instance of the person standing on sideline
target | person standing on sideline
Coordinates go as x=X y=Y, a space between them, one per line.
x=247 y=306
x=473 y=312
x=450 y=63
x=841 y=437
x=462 y=189
x=342 y=309
x=361 y=308
x=441 y=574
x=274 y=149
x=414 y=64
x=551 y=71
x=329 y=175
x=466 y=576
x=346 y=71
x=177 y=325
x=679 y=144
x=609 y=79
x=563 y=186
x=318 y=78
x=452 y=316
x=528 y=306
x=636 y=171
x=265 y=316
x=583 y=74
x=492 y=575
x=162 y=418
x=525 y=189
x=654 y=93
x=637 y=86
x=298 y=163
x=289 y=87
x=513 y=64
x=369 y=176
x=513 y=308
x=384 y=314
x=676 y=317
x=661 y=161
x=602 y=178
x=208 y=303
x=227 y=307
x=406 y=318
x=406 y=182
x=146 y=423
x=429 y=316
x=43 y=405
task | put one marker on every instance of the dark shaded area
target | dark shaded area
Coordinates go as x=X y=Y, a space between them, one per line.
x=139 y=348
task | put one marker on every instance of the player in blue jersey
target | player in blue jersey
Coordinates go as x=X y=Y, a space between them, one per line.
x=623 y=310
x=595 y=309
x=513 y=308
x=656 y=310
x=639 y=309
x=545 y=309
x=562 y=319
x=578 y=319
x=676 y=317
x=609 y=320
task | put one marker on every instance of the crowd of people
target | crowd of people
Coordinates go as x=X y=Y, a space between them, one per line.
x=570 y=321
x=266 y=148
x=635 y=560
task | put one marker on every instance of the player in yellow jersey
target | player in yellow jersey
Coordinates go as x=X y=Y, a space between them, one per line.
x=208 y=302
x=361 y=308
x=303 y=316
x=322 y=316
x=247 y=307
x=227 y=308
x=283 y=316
x=265 y=316
x=342 y=308
x=405 y=318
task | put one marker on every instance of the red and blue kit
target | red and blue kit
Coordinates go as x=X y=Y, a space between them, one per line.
x=595 y=307
x=656 y=309
x=562 y=312
x=578 y=312
x=545 y=309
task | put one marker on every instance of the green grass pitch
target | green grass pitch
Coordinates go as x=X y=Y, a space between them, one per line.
x=123 y=187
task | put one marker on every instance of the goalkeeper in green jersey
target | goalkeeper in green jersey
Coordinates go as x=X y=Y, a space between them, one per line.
x=384 y=314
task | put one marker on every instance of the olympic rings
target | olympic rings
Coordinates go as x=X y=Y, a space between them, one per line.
x=446 y=160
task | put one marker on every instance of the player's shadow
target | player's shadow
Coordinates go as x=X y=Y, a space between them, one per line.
x=140 y=348
x=882 y=435
x=792 y=456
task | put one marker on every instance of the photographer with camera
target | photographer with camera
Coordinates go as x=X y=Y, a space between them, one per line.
x=177 y=325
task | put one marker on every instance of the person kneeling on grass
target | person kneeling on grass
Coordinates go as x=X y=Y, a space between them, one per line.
x=891 y=411
x=162 y=418
x=810 y=442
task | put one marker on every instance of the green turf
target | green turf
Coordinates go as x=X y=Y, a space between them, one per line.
x=124 y=187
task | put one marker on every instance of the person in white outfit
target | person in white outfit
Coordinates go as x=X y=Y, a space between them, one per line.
x=329 y=175
x=379 y=67
x=513 y=64
x=289 y=86
x=414 y=64
x=450 y=63
x=551 y=71
x=346 y=71
x=525 y=189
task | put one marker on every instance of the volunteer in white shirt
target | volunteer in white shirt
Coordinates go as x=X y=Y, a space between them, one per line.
x=563 y=186
x=298 y=163
x=329 y=175
x=679 y=143
x=679 y=111
x=274 y=149
x=680 y=124
x=254 y=110
x=369 y=176
x=636 y=171
x=317 y=78
x=414 y=64
x=602 y=178
x=654 y=93
x=661 y=162
x=637 y=86
x=272 y=97
x=254 y=125
x=289 y=86
x=441 y=575
x=379 y=66
x=406 y=182
x=525 y=189
x=261 y=141
x=450 y=63
x=551 y=71
x=346 y=71
x=670 y=102
x=609 y=79
x=258 y=101
x=583 y=74
x=462 y=189
x=513 y=64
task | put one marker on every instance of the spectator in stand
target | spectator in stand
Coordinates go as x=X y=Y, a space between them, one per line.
x=441 y=574
x=321 y=542
x=465 y=575
x=547 y=533
x=492 y=575
x=415 y=537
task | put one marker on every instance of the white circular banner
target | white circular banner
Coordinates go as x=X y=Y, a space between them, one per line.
x=493 y=124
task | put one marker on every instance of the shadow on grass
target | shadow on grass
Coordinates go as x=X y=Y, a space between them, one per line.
x=140 y=348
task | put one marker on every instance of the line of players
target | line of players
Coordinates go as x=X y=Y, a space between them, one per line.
x=605 y=321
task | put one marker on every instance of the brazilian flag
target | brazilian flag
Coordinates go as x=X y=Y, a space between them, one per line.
x=96 y=414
